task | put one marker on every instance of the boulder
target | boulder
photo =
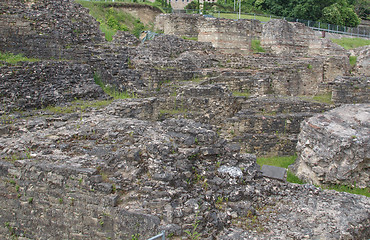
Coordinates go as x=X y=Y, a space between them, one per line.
x=333 y=147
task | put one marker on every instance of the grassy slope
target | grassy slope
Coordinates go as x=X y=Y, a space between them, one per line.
x=284 y=162
x=350 y=43
x=111 y=20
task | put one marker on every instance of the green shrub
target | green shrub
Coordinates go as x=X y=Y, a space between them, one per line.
x=352 y=60
x=256 y=46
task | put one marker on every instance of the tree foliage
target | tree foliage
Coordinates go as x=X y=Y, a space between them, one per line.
x=340 y=12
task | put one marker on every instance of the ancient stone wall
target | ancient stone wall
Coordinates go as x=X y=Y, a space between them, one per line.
x=333 y=147
x=289 y=76
x=46 y=29
x=230 y=35
x=64 y=202
x=39 y=84
x=286 y=38
x=350 y=90
x=269 y=126
x=277 y=36
x=362 y=66
x=179 y=24
x=145 y=13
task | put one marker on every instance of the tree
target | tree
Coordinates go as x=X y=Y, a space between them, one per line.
x=193 y=5
x=340 y=15
x=362 y=8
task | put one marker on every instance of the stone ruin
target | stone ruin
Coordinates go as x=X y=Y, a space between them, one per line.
x=179 y=154
x=333 y=147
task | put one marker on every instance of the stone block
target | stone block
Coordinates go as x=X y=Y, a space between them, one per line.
x=274 y=172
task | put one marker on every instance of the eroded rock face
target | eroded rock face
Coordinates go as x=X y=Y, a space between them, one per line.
x=333 y=147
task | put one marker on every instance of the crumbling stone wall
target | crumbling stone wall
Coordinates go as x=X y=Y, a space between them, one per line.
x=333 y=147
x=286 y=38
x=46 y=28
x=289 y=76
x=179 y=24
x=269 y=125
x=230 y=35
x=350 y=90
x=362 y=66
x=64 y=201
x=146 y=13
x=167 y=59
x=32 y=85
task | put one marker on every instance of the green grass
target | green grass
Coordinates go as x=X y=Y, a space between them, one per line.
x=352 y=60
x=284 y=162
x=14 y=59
x=353 y=190
x=112 y=19
x=78 y=105
x=256 y=46
x=190 y=38
x=172 y=111
x=323 y=98
x=242 y=16
x=241 y=94
x=350 y=43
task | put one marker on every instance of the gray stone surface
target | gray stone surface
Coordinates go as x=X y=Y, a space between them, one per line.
x=274 y=172
x=333 y=147
x=234 y=172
